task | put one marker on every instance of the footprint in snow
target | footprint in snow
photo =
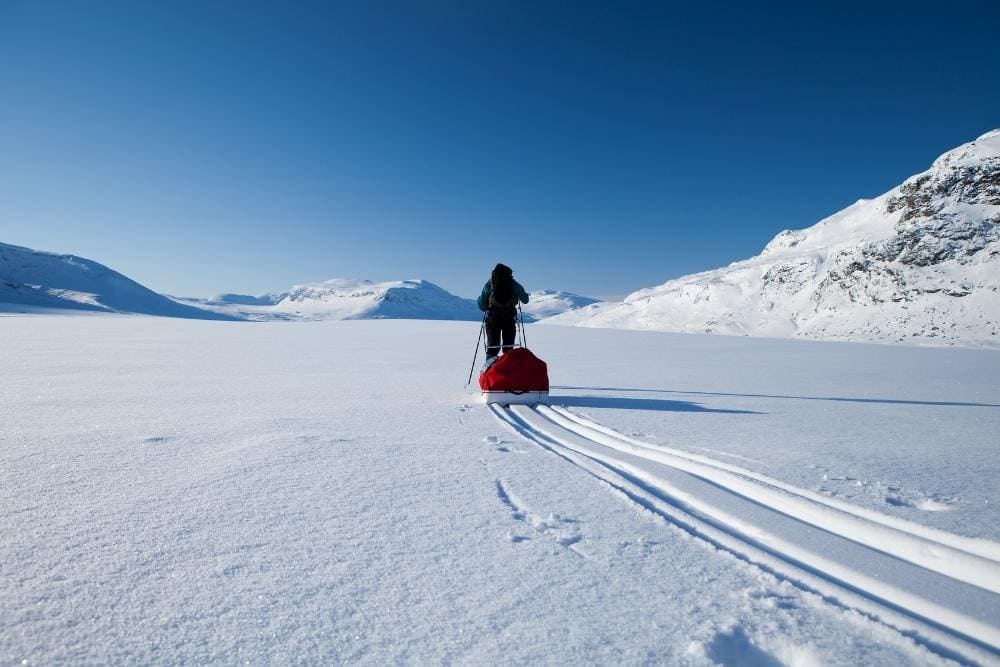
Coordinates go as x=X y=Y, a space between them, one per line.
x=924 y=504
x=157 y=440
x=502 y=445
x=772 y=599
x=464 y=408
x=553 y=526
x=734 y=647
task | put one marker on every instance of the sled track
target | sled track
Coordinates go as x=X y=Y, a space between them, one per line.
x=939 y=589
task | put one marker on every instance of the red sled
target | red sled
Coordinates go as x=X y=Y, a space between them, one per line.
x=517 y=376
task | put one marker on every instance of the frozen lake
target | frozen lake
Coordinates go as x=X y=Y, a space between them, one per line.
x=313 y=492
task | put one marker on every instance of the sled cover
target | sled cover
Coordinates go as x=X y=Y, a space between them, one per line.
x=517 y=371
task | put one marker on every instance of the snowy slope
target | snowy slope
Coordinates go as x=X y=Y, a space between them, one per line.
x=347 y=299
x=548 y=303
x=921 y=263
x=325 y=493
x=31 y=279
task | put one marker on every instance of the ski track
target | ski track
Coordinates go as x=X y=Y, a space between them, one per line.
x=934 y=587
x=970 y=560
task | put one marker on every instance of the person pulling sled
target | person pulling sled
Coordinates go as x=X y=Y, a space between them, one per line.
x=499 y=301
x=519 y=376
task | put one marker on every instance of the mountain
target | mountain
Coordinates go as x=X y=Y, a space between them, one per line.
x=920 y=263
x=33 y=280
x=549 y=303
x=344 y=299
x=347 y=299
x=36 y=281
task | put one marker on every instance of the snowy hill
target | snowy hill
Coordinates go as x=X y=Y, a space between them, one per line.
x=549 y=303
x=347 y=299
x=34 y=280
x=921 y=263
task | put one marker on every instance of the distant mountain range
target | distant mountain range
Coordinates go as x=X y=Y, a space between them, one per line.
x=920 y=263
x=34 y=281
x=343 y=299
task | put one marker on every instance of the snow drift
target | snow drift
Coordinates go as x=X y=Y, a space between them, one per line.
x=920 y=263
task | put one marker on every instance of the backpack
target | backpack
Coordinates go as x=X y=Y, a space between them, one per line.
x=503 y=295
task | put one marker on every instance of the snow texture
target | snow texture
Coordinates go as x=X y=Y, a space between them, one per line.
x=919 y=264
x=175 y=491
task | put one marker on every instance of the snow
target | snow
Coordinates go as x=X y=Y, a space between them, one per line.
x=548 y=303
x=178 y=491
x=38 y=282
x=346 y=299
x=41 y=280
x=918 y=264
x=351 y=299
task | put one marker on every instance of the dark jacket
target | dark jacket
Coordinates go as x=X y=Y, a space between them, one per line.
x=484 y=297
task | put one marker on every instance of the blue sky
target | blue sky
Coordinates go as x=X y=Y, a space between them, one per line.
x=206 y=147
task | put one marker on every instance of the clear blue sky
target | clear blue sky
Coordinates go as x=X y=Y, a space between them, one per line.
x=203 y=147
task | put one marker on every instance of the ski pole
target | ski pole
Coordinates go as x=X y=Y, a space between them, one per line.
x=476 y=355
x=520 y=313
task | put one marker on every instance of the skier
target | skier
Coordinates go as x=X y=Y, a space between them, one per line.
x=499 y=300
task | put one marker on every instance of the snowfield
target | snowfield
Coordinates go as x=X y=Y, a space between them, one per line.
x=183 y=491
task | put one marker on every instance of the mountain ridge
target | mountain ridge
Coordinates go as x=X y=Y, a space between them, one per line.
x=38 y=281
x=919 y=263
x=347 y=298
x=35 y=279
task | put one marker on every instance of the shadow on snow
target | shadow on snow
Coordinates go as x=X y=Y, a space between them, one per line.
x=618 y=403
x=890 y=401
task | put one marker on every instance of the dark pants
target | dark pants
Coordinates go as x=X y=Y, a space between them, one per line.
x=500 y=325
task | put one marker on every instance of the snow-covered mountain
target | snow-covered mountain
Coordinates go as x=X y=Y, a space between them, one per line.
x=549 y=303
x=347 y=299
x=921 y=263
x=34 y=280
